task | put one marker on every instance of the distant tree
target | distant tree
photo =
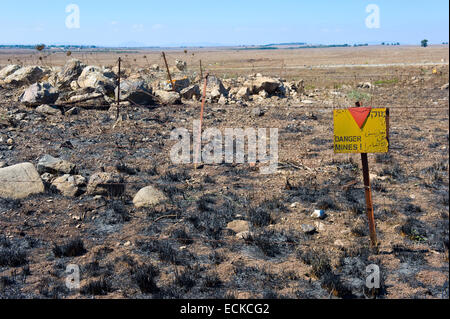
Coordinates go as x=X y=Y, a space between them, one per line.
x=424 y=43
x=382 y=43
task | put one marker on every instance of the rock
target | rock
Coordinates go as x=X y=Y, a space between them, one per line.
x=239 y=226
x=10 y=141
x=50 y=164
x=338 y=243
x=47 y=109
x=215 y=88
x=148 y=196
x=244 y=235
x=168 y=98
x=257 y=112
x=39 y=93
x=444 y=87
x=47 y=178
x=73 y=111
x=20 y=181
x=243 y=94
x=308 y=229
x=365 y=85
x=2 y=164
x=69 y=185
x=8 y=70
x=319 y=214
x=223 y=100
x=263 y=94
x=70 y=73
x=307 y=102
x=87 y=97
x=179 y=83
x=300 y=87
x=104 y=183
x=93 y=77
x=263 y=84
x=155 y=67
x=181 y=65
x=136 y=92
x=189 y=92
x=25 y=75
x=74 y=86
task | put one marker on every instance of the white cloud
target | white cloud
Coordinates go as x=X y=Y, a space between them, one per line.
x=157 y=27
x=138 y=27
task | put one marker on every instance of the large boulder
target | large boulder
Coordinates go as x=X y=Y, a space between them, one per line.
x=25 y=75
x=69 y=185
x=148 y=196
x=179 y=83
x=38 y=94
x=52 y=165
x=135 y=92
x=189 y=92
x=70 y=72
x=243 y=94
x=93 y=77
x=20 y=181
x=8 y=70
x=259 y=84
x=48 y=110
x=105 y=183
x=215 y=88
x=168 y=98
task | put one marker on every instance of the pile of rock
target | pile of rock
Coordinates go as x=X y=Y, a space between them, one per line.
x=90 y=85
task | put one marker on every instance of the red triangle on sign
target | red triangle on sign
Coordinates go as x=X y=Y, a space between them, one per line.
x=360 y=114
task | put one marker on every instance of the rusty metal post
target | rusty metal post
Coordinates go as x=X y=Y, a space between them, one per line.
x=118 y=91
x=368 y=193
x=369 y=203
x=199 y=138
x=168 y=71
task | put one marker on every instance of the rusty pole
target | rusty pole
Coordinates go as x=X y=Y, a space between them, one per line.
x=199 y=139
x=369 y=203
x=118 y=91
x=368 y=193
x=168 y=71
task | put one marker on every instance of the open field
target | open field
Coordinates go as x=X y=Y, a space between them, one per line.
x=183 y=247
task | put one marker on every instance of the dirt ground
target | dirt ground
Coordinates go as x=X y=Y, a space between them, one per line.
x=182 y=249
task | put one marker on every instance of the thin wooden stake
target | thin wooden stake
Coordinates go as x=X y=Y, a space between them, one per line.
x=168 y=71
x=199 y=138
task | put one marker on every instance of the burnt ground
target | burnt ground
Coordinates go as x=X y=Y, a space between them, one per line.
x=182 y=249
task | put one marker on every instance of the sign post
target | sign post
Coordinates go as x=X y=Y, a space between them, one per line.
x=363 y=130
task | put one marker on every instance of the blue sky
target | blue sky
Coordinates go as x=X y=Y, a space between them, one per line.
x=232 y=22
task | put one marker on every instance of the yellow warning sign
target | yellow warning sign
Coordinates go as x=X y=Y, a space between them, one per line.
x=361 y=130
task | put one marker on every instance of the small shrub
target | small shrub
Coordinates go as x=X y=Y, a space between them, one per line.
x=260 y=217
x=320 y=262
x=12 y=258
x=100 y=287
x=414 y=229
x=145 y=279
x=73 y=248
